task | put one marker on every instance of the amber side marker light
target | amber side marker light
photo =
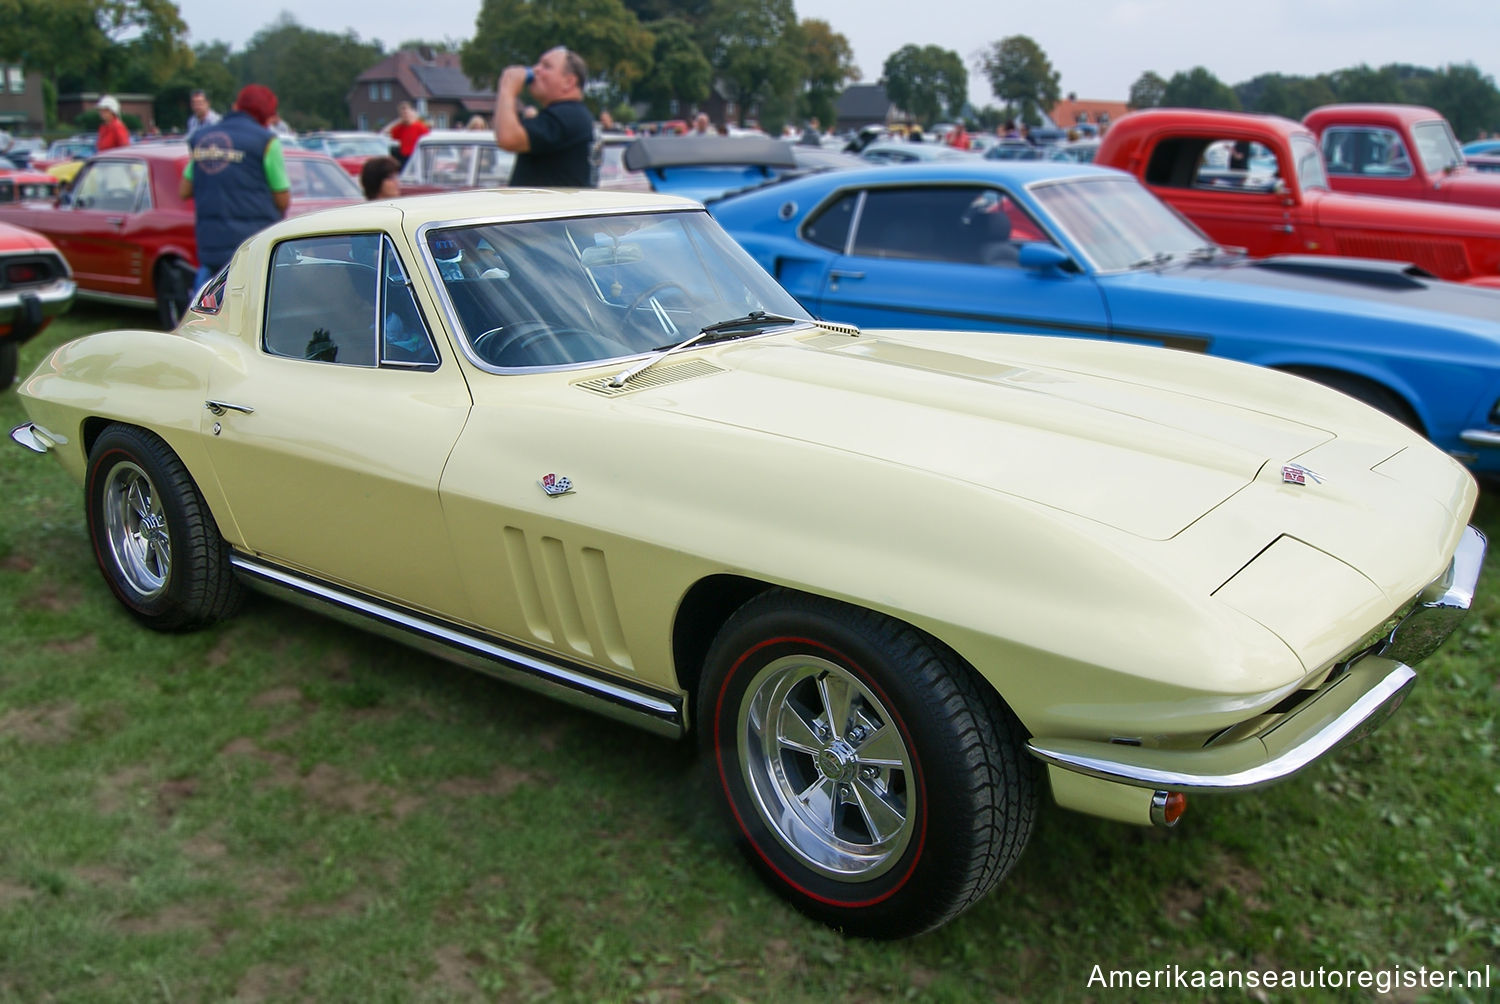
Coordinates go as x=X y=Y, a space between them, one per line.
x=1167 y=807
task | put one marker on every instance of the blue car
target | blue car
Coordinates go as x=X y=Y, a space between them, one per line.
x=1083 y=251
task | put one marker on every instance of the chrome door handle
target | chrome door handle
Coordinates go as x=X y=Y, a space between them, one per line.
x=1284 y=228
x=220 y=407
x=839 y=273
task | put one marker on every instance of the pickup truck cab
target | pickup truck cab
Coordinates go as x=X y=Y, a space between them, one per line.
x=1402 y=151
x=1258 y=182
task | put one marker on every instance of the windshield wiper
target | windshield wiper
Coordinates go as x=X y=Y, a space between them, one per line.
x=1153 y=261
x=758 y=320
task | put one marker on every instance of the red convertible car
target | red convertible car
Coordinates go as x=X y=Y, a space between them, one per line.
x=129 y=238
x=1403 y=151
x=1258 y=182
x=27 y=186
x=35 y=286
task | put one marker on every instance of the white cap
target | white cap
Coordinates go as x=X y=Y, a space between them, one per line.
x=109 y=103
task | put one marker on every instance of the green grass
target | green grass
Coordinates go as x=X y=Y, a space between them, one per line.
x=285 y=809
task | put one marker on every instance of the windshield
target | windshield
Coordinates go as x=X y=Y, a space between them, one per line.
x=319 y=179
x=566 y=292
x=1436 y=146
x=356 y=146
x=1309 y=163
x=1116 y=222
x=458 y=165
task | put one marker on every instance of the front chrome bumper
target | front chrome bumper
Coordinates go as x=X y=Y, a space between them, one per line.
x=24 y=311
x=1351 y=705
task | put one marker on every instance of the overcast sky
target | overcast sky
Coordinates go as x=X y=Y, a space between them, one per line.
x=1099 y=46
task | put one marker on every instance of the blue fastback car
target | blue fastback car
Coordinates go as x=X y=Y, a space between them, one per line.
x=1081 y=251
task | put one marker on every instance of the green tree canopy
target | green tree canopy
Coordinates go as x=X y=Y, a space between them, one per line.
x=1147 y=90
x=679 y=70
x=94 y=43
x=1467 y=99
x=310 y=71
x=1198 y=88
x=755 y=48
x=828 y=62
x=1022 y=76
x=1288 y=96
x=516 y=32
x=927 y=82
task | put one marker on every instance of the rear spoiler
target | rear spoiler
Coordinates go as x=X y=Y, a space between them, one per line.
x=655 y=152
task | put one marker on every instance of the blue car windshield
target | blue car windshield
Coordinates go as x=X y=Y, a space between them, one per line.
x=566 y=292
x=1115 y=222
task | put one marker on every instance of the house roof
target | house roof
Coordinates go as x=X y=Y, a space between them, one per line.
x=863 y=101
x=425 y=75
x=1065 y=113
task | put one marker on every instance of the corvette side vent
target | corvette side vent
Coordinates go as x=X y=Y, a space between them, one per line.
x=657 y=376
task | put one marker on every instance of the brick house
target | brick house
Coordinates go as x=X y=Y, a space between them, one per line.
x=433 y=82
x=71 y=106
x=21 y=108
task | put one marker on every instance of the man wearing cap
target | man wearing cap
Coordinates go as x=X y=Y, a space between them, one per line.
x=236 y=177
x=112 y=131
x=551 y=148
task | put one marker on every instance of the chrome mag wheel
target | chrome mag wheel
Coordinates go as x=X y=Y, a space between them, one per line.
x=827 y=769
x=135 y=528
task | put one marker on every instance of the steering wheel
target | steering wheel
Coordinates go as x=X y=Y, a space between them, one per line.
x=510 y=345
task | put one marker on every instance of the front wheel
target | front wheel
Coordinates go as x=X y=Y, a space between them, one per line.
x=154 y=538
x=874 y=780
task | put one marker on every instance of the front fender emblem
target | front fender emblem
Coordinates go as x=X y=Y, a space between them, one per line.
x=1296 y=474
x=556 y=484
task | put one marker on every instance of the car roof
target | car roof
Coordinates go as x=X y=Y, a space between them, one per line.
x=1362 y=112
x=479 y=206
x=1014 y=173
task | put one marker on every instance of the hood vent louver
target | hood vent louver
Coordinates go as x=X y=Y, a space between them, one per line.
x=658 y=376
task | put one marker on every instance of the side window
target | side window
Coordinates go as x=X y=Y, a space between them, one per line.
x=1368 y=152
x=404 y=338
x=494 y=167
x=950 y=223
x=321 y=299
x=830 y=228
x=110 y=185
x=1237 y=166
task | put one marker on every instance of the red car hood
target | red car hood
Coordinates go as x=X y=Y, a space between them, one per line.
x=1418 y=216
x=14 y=238
x=1471 y=187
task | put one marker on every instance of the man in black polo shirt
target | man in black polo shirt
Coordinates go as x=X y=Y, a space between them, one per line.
x=551 y=148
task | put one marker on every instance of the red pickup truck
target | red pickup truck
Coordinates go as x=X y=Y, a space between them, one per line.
x=1258 y=182
x=1404 y=151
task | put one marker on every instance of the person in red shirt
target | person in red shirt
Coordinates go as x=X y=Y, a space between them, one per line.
x=112 y=131
x=407 y=128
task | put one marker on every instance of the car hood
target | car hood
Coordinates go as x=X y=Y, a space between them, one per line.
x=1471 y=187
x=1421 y=216
x=1109 y=439
x=1377 y=290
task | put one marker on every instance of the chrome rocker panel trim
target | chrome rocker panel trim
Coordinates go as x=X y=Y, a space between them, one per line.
x=655 y=711
x=1480 y=437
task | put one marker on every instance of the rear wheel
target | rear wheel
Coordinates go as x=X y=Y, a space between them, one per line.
x=874 y=780
x=153 y=536
x=174 y=288
x=10 y=355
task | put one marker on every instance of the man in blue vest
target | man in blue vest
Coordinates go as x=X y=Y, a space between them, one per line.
x=236 y=177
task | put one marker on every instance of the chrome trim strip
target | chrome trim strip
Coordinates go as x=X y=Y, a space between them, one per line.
x=1480 y=437
x=652 y=710
x=1093 y=760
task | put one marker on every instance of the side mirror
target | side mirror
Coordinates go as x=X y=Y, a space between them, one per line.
x=1042 y=256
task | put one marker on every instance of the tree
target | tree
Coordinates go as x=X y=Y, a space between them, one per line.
x=1360 y=83
x=1289 y=97
x=928 y=83
x=755 y=48
x=1022 y=76
x=309 y=70
x=92 y=43
x=1466 y=97
x=828 y=62
x=679 y=70
x=608 y=37
x=1198 y=88
x=1147 y=90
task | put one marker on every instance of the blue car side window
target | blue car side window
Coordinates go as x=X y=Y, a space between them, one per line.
x=830 y=228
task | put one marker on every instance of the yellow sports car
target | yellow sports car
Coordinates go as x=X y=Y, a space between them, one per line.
x=894 y=581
